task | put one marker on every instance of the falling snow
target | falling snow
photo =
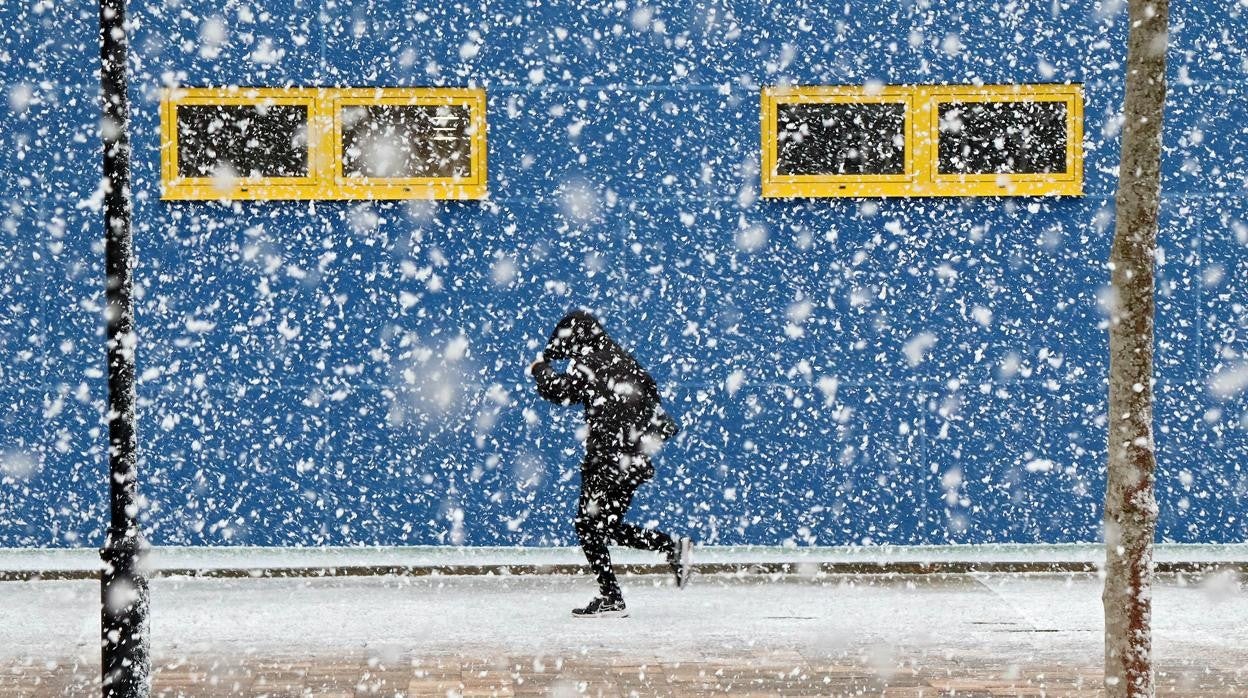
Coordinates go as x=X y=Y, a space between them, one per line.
x=849 y=371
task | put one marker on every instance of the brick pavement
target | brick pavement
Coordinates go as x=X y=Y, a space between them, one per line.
x=760 y=673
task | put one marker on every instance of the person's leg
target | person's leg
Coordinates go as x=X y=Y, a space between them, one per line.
x=643 y=538
x=679 y=551
x=596 y=517
x=632 y=536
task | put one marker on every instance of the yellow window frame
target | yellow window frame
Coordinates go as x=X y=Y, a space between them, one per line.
x=778 y=185
x=1068 y=183
x=324 y=180
x=922 y=176
x=204 y=188
x=472 y=187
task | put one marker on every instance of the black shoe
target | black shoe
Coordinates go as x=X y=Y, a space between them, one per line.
x=680 y=558
x=602 y=608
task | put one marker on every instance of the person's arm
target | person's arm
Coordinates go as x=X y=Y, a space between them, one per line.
x=563 y=388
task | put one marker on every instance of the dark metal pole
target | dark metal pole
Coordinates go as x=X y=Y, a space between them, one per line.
x=126 y=666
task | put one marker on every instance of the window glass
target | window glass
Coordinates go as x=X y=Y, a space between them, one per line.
x=1002 y=137
x=841 y=138
x=216 y=140
x=400 y=141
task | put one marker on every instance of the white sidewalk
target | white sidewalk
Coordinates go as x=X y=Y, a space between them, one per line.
x=1025 y=618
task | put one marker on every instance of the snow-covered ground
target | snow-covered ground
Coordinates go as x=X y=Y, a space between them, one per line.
x=1023 y=618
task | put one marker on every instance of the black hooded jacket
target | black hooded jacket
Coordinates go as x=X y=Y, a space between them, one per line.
x=621 y=401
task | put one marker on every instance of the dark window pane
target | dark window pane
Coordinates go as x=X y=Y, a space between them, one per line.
x=406 y=141
x=242 y=140
x=1002 y=137
x=840 y=139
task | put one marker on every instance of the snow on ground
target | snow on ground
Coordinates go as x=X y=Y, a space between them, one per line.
x=1004 y=617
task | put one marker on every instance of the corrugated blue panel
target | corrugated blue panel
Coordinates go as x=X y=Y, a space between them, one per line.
x=263 y=44
x=1205 y=136
x=1211 y=40
x=895 y=371
x=46 y=43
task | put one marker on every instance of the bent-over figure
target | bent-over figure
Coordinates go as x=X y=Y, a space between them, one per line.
x=627 y=425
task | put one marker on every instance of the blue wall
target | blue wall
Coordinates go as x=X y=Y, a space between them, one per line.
x=352 y=373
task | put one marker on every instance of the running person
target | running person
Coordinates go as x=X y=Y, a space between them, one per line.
x=626 y=425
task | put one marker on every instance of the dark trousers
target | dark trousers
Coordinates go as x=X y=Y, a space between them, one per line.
x=600 y=522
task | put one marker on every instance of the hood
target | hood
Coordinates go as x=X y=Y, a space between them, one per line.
x=577 y=333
